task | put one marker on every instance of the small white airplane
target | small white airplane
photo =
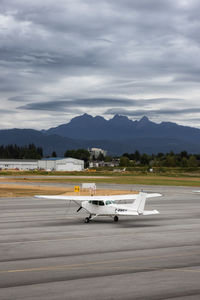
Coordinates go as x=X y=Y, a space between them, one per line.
x=105 y=205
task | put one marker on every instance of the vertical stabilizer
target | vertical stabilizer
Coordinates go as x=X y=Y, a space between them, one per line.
x=142 y=203
x=139 y=203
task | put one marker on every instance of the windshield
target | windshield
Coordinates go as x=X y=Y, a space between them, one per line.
x=109 y=202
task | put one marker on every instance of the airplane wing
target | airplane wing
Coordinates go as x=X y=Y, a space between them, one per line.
x=59 y=197
x=98 y=198
x=89 y=198
x=75 y=199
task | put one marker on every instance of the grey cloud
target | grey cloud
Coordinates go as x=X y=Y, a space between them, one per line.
x=158 y=101
x=138 y=112
x=55 y=107
x=146 y=50
x=59 y=104
x=193 y=120
x=6 y=111
x=64 y=104
x=18 y=99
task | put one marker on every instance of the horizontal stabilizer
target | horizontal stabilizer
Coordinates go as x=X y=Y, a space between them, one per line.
x=127 y=213
x=150 y=212
x=152 y=195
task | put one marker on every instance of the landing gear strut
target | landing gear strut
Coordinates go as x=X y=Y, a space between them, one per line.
x=116 y=218
x=87 y=219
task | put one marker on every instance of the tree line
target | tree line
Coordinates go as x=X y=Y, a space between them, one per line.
x=171 y=159
x=21 y=152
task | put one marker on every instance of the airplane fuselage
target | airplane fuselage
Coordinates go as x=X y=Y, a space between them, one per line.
x=107 y=208
x=100 y=208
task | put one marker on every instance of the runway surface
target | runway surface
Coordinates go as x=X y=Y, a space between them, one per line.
x=47 y=252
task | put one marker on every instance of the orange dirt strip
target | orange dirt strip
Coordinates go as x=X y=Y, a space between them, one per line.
x=15 y=190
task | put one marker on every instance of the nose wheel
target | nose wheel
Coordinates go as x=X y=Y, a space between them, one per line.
x=116 y=218
x=87 y=219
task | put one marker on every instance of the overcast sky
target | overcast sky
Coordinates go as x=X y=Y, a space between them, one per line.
x=60 y=59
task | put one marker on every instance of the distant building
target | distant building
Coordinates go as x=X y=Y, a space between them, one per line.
x=61 y=164
x=48 y=164
x=96 y=164
x=96 y=152
x=19 y=164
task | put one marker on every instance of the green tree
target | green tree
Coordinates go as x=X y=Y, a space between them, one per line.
x=144 y=159
x=184 y=154
x=137 y=156
x=192 y=161
x=124 y=161
x=70 y=153
x=108 y=158
x=54 y=154
x=184 y=162
x=101 y=157
x=170 y=161
x=14 y=151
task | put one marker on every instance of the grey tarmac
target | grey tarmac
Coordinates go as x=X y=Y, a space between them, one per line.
x=48 y=252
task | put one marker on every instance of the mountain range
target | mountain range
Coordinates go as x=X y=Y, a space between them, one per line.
x=117 y=135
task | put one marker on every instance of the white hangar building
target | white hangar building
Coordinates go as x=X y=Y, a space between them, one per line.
x=48 y=164
x=21 y=164
x=61 y=164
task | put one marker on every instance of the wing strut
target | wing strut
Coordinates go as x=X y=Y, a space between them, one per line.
x=79 y=209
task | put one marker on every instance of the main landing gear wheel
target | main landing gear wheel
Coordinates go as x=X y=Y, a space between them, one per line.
x=87 y=220
x=116 y=218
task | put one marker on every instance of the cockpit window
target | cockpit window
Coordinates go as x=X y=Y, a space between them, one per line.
x=101 y=203
x=109 y=202
x=95 y=202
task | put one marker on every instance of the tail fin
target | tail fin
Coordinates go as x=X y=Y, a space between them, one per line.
x=139 y=203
